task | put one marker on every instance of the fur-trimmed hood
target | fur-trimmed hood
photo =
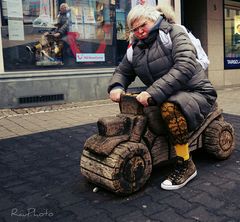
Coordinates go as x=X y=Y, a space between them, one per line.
x=168 y=12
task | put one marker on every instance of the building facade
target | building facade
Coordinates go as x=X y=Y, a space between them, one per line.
x=77 y=65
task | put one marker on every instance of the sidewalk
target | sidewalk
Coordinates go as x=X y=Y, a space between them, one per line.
x=229 y=100
x=40 y=179
x=19 y=122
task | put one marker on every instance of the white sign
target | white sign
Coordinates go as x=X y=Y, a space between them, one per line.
x=14 y=9
x=88 y=15
x=90 y=57
x=89 y=31
x=15 y=29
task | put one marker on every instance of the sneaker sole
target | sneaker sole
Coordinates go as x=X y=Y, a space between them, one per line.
x=175 y=187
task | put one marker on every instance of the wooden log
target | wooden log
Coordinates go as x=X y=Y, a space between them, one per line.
x=98 y=179
x=124 y=171
x=139 y=124
x=219 y=139
x=160 y=150
x=98 y=168
x=113 y=126
x=103 y=145
x=149 y=138
x=129 y=105
x=109 y=160
x=215 y=114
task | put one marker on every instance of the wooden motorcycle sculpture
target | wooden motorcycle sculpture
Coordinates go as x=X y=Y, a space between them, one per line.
x=49 y=51
x=121 y=156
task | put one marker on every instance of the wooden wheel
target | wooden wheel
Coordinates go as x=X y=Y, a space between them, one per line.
x=219 y=139
x=124 y=171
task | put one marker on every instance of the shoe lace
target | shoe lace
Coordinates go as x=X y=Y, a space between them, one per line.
x=178 y=172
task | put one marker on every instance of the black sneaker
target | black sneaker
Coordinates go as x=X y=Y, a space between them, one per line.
x=182 y=174
x=30 y=49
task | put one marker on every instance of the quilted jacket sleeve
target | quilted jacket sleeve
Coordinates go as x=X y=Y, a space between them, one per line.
x=123 y=75
x=64 y=28
x=63 y=21
x=184 y=68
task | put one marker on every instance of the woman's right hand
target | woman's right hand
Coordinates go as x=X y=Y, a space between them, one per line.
x=115 y=94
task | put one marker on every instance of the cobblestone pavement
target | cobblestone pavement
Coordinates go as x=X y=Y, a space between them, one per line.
x=40 y=179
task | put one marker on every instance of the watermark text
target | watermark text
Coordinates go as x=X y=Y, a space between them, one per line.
x=31 y=212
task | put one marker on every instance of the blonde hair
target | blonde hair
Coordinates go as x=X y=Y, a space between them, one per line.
x=142 y=11
x=64 y=5
x=149 y=12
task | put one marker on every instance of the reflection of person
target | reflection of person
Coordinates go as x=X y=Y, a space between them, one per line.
x=142 y=2
x=119 y=27
x=236 y=36
x=63 y=20
x=174 y=79
x=62 y=27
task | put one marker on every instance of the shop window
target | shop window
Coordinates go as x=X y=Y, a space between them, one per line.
x=97 y=34
x=232 y=34
x=90 y=39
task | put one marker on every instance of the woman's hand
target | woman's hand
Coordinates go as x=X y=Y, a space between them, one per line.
x=143 y=98
x=57 y=34
x=115 y=94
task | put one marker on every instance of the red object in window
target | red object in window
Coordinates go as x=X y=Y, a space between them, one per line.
x=106 y=28
x=72 y=41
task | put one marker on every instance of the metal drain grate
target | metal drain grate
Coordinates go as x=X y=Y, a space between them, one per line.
x=40 y=99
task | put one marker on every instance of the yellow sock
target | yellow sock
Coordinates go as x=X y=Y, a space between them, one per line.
x=182 y=150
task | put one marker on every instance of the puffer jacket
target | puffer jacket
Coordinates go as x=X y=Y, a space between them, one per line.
x=170 y=74
x=63 y=22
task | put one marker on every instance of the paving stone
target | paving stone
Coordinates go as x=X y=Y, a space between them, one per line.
x=13 y=182
x=208 y=201
x=181 y=206
x=188 y=192
x=231 y=212
x=101 y=217
x=7 y=205
x=79 y=209
x=41 y=170
x=64 y=216
x=202 y=214
x=169 y=215
x=66 y=199
x=134 y=216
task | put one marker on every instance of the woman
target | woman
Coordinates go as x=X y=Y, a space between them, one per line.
x=62 y=28
x=63 y=21
x=174 y=79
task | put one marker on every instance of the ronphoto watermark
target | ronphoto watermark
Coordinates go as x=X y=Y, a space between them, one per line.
x=31 y=212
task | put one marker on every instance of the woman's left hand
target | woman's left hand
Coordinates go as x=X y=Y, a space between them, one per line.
x=143 y=98
x=57 y=34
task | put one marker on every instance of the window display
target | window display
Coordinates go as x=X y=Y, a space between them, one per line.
x=86 y=34
x=39 y=34
x=232 y=34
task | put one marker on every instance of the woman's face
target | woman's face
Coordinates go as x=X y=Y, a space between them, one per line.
x=141 y=27
x=63 y=8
